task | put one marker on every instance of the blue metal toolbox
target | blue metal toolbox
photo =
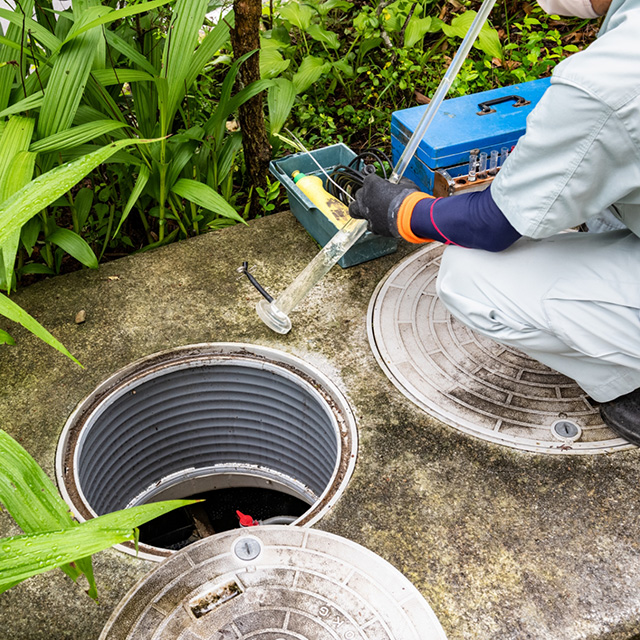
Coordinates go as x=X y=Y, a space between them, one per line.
x=486 y=122
x=319 y=226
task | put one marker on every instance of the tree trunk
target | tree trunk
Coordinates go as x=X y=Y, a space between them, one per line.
x=245 y=37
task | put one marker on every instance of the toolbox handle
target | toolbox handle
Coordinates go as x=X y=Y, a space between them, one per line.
x=485 y=107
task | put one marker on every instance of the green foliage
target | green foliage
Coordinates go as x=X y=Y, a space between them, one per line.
x=352 y=66
x=21 y=198
x=269 y=196
x=105 y=75
x=536 y=45
x=332 y=70
x=488 y=40
x=52 y=537
x=364 y=61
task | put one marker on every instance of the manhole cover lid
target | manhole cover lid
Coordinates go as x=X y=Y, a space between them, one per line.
x=470 y=382
x=274 y=583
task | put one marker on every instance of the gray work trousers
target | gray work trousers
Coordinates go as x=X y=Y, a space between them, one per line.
x=571 y=301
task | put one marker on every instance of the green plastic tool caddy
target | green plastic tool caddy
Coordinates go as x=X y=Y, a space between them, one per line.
x=319 y=227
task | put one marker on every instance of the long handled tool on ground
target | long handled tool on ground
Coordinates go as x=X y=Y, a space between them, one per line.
x=275 y=314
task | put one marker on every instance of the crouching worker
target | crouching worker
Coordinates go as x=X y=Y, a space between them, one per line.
x=569 y=300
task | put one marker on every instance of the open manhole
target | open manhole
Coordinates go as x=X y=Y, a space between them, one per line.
x=274 y=583
x=250 y=429
x=470 y=382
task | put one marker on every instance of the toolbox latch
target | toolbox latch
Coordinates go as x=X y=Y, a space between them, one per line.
x=485 y=107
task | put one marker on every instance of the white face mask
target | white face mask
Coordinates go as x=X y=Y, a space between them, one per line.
x=578 y=8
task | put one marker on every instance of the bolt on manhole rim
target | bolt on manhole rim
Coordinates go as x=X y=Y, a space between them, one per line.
x=470 y=382
x=207 y=416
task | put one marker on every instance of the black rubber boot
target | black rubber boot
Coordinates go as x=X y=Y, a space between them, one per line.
x=622 y=416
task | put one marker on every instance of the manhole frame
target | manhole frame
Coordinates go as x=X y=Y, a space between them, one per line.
x=530 y=445
x=228 y=353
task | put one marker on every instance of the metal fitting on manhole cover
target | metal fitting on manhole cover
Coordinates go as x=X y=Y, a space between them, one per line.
x=302 y=584
x=219 y=417
x=566 y=430
x=247 y=548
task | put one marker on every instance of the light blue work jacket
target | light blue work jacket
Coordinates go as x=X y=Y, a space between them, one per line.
x=581 y=151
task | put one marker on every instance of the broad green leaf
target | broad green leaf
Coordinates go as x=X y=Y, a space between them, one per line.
x=9 y=253
x=209 y=46
x=272 y=63
x=82 y=203
x=113 y=15
x=230 y=149
x=32 y=499
x=281 y=34
x=459 y=25
x=329 y=5
x=98 y=95
x=328 y=38
x=206 y=197
x=18 y=174
x=5 y=338
x=394 y=15
x=280 y=98
x=11 y=310
x=46 y=188
x=16 y=137
x=297 y=14
x=246 y=94
x=215 y=124
x=75 y=246
x=31 y=102
x=119 y=157
x=129 y=52
x=182 y=154
x=16 y=170
x=368 y=45
x=37 y=31
x=110 y=77
x=67 y=83
x=75 y=136
x=309 y=72
x=143 y=177
x=28 y=555
x=488 y=40
x=416 y=30
x=343 y=66
x=36 y=268
x=29 y=234
x=26 y=491
x=135 y=516
x=180 y=44
x=14 y=40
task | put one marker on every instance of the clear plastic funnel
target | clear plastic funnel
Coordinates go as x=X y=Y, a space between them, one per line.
x=275 y=314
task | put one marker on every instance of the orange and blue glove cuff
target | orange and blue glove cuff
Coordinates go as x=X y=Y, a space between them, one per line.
x=405 y=213
x=471 y=220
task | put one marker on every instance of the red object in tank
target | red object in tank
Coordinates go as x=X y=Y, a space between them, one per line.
x=246 y=521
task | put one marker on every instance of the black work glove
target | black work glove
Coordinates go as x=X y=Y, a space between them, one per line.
x=378 y=202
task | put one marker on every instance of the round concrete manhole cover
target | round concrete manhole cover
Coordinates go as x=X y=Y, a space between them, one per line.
x=274 y=583
x=470 y=382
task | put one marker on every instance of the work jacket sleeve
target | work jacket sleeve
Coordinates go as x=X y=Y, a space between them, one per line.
x=575 y=160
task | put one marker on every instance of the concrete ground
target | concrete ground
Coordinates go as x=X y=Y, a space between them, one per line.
x=502 y=544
